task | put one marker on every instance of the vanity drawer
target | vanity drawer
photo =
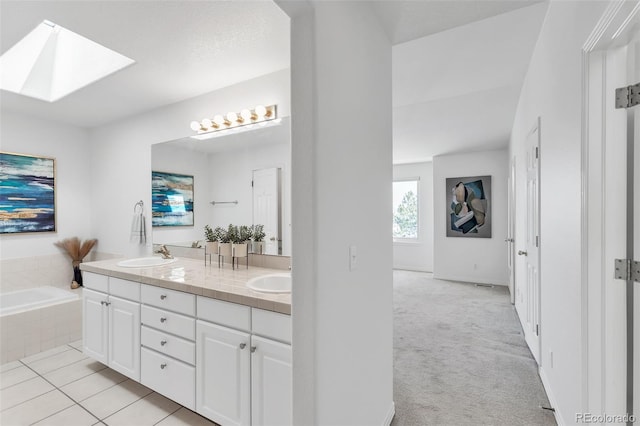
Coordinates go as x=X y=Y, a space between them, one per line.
x=224 y=313
x=170 y=377
x=169 y=322
x=271 y=324
x=171 y=300
x=95 y=281
x=169 y=344
x=124 y=288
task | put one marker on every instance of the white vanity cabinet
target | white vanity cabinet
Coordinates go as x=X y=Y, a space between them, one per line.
x=111 y=323
x=243 y=375
x=168 y=343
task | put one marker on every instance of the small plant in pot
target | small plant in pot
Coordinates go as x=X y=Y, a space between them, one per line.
x=257 y=235
x=212 y=237
x=225 y=240
x=239 y=239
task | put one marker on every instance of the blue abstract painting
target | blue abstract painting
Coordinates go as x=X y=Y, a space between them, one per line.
x=171 y=199
x=27 y=194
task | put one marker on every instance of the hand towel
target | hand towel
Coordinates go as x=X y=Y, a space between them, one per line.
x=138 y=229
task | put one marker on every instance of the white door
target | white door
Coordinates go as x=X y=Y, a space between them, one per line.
x=612 y=214
x=124 y=337
x=532 y=244
x=223 y=374
x=95 y=325
x=511 y=230
x=266 y=206
x=271 y=377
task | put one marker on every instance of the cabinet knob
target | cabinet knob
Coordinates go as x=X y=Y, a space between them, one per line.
x=163 y=342
x=163 y=319
x=163 y=296
x=163 y=365
x=243 y=345
x=253 y=349
x=102 y=302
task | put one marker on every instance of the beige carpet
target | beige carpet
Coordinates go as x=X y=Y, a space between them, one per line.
x=460 y=357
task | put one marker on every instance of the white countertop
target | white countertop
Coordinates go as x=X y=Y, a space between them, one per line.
x=193 y=276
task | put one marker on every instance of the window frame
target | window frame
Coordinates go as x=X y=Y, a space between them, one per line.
x=417 y=238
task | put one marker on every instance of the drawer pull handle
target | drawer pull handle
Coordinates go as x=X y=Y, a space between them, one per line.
x=163 y=296
x=163 y=365
x=163 y=342
x=163 y=319
x=253 y=349
x=243 y=345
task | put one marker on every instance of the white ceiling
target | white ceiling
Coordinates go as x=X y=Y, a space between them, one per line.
x=182 y=49
x=454 y=90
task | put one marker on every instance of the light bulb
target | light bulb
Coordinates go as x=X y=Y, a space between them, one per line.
x=232 y=117
x=195 y=126
x=247 y=115
x=260 y=111
x=206 y=123
x=219 y=120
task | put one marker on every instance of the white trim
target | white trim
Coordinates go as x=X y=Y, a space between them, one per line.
x=552 y=399
x=390 y=414
x=410 y=268
x=472 y=280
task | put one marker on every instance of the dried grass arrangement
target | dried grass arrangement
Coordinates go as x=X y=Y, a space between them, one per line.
x=77 y=250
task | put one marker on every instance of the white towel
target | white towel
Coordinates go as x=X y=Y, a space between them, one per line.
x=138 y=229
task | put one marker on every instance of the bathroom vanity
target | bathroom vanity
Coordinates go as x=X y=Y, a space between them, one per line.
x=196 y=334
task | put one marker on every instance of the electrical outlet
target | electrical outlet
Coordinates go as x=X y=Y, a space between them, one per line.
x=353 y=258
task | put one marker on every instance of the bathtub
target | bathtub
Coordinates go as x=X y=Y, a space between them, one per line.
x=37 y=319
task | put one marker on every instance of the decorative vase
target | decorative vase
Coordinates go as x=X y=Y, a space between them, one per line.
x=240 y=249
x=211 y=247
x=224 y=249
x=257 y=247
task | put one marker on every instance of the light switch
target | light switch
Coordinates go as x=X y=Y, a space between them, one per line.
x=353 y=258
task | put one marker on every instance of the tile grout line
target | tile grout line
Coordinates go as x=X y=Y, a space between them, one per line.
x=62 y=392
x=117 y=411
x=168 y=415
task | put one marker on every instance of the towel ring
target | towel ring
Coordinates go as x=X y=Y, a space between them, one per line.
x=139 y=204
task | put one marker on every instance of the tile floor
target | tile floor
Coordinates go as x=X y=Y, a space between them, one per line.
x=62 y=386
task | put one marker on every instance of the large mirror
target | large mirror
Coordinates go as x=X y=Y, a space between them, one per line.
x=242 y=178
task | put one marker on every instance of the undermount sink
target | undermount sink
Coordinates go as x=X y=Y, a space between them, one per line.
x=145 y=262
x=274 y=283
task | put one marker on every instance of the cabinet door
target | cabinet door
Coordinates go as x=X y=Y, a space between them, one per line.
x=124 y=337
x=95 y=337
x=271 y=382
x=223 y=374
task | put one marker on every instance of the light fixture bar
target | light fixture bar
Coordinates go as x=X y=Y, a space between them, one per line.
x=243 y=120
x=237 y=129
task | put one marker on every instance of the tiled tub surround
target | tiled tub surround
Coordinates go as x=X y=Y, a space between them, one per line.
x=191 y=276
x=195 y=334
x=29 y=332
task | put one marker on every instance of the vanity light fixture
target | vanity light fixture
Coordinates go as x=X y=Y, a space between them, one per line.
x=233 y=121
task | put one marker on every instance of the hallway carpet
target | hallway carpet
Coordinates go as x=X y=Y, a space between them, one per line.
x=460 y=357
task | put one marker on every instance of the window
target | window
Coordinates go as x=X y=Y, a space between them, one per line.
x=405 y=209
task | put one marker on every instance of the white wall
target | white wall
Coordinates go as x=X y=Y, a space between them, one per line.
x=121 y=152
x=417 y=255
x=230 y=174
x=170 y=159
x=552 y=90
x=342 y=173
x=68 y=145
x=476 y=260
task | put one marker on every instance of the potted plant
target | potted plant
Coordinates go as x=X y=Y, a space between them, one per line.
x=257 y=234
x=225 y=240
x=212 y=239
x=239 y=238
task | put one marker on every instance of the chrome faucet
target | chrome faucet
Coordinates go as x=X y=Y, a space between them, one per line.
x=164 y=251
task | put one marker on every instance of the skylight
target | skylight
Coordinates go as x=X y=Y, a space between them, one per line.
x=52 y=62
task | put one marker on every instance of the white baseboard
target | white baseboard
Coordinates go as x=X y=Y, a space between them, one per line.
x=390 y=414
x=552 y=399
x=410 y=268
x=479 y=280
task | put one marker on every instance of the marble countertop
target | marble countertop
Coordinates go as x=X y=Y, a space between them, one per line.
x=192 y=276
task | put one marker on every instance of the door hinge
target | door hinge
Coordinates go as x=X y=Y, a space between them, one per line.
x=537 y=329
x=537 y=241
x=627 y=269
x=537 y=153
x=627 y=97
x=252 y=184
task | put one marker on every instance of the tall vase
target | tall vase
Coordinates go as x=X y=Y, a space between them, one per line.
x=77 y=275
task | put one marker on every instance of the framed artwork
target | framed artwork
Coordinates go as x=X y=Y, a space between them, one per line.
x=171 y=199
x=469 y=207
x=27 y=193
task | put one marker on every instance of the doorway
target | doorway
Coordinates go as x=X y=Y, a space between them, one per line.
x=611 y=206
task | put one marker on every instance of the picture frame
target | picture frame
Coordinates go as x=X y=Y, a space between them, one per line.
x=469 y=207
x=171 y=199
x=27 y=193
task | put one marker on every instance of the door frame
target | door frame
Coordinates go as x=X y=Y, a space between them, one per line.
x=593 y=267
x=511 y=229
